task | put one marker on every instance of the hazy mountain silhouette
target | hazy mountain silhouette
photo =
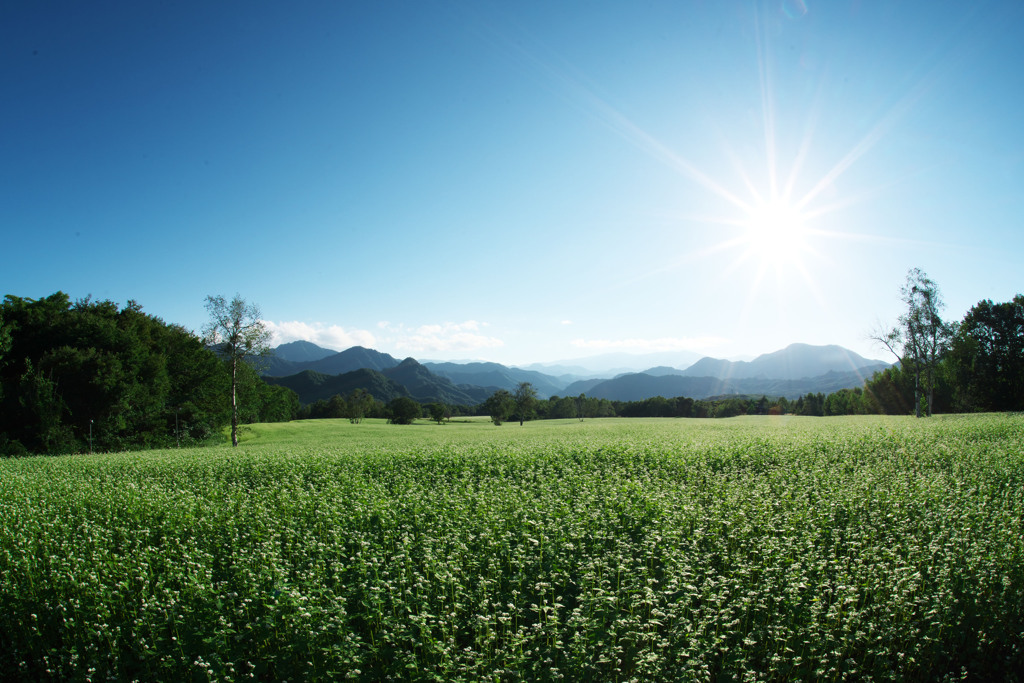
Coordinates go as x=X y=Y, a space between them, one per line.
x=793 y=371
x=796 y=361
x=498 y=376
x=355 y=358
x=407 y=378
x=302 y=352
x=611 y=364
x=640 y=386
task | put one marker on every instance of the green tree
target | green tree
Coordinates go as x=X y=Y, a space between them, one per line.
x=684 y=406
x=730 y=407
x=561 y=407
x=5 y=338
x=987 y=356
x=762 y=405
x=277 y=404
x=93 y=375
x=5 y=345
x=499 y=406
x=237 y=331
x=314 y=411
x=359 y=404
x=336 y=407
x=403 y=410
x=811 y=405
x=890 y=391
x=845 y=402
x=526 y=401
x=198 y=379
x=920 y=337
x=437 y=412
x=39 y=398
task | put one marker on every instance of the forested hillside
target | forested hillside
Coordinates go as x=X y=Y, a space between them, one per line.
x=312 y=386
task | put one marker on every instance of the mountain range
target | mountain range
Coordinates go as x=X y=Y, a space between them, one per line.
x=294 y=357
x=316 y=373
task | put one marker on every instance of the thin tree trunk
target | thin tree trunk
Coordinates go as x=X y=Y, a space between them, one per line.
x=931 y=388
x=917 y=390
x=234 y=402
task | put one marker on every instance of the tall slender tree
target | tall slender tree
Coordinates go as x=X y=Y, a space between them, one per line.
x=236 y=330
x=920 y=337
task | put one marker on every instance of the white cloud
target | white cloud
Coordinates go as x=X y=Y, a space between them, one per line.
x=441 y=338
x=328 y=336
x=651 y=345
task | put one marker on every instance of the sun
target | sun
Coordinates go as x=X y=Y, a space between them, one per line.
x=775 y=233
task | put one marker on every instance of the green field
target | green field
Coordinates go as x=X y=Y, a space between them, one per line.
x=649 y=550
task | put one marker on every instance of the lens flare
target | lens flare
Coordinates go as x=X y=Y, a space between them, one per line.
x=794 y=9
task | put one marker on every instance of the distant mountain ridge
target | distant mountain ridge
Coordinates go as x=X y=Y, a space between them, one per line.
x=793 y=371
x=639 y=386
x=796 y=361
x=427 y=387
x=407 y=378
x=302 y=352
x=497 y=376
x=355 y=358
x=611 y=364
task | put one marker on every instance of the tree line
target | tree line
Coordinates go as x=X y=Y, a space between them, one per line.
x=974 y=365
x=90 y=375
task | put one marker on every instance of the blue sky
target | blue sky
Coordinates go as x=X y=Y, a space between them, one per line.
x=517 y=182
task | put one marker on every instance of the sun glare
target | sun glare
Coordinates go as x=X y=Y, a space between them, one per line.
x=775 y=232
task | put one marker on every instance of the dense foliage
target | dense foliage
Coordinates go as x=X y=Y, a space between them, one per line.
x=773 y=548
x=403 y=411
x=359 y=404
x=92 y=376
x=987 y=357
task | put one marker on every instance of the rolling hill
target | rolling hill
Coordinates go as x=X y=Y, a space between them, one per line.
x=312 y=386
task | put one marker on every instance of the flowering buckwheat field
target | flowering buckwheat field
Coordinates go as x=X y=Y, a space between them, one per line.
x=649 y=550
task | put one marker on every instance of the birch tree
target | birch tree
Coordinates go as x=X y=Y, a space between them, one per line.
x=237 y=332
x=920 y=337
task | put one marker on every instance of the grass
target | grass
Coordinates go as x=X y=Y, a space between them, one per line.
x=743 y=549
